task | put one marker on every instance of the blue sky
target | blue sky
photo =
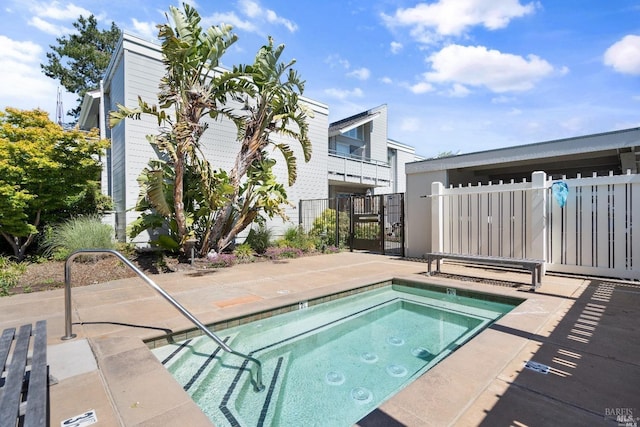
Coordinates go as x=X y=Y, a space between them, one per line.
x=456 y=75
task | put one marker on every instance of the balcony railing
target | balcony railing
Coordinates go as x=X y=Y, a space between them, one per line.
x=358 y=169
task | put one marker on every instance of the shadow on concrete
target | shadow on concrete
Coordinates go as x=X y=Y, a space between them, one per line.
x=378 y=418
x=129 y=325
x=593 y=361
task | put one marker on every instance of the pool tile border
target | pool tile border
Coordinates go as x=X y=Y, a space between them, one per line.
x=172 y=338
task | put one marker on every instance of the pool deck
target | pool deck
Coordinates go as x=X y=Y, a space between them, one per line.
x=587 y=330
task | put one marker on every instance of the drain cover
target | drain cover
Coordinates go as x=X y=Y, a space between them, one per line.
x=369 y=357
x=395 y=341
x=335 y=378
x=361 y=395
x=538 y=367
x=396 y=370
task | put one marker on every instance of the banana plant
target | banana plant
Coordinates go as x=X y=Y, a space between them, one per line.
x=272 y=105
x=190 y=90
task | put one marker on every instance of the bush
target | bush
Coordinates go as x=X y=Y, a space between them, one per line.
x=367 y=231
x=323 y=229
x=274 y=253
x=244 y=253
x=259 y=239
x=10 y=272
x=86 y=232
x=221 y=260
x=295 y=237
x=331 y=250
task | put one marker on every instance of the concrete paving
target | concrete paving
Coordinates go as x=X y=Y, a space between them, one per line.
x=584 y=329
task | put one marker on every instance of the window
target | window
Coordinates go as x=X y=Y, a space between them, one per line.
x=343 y=149
x=356 y=133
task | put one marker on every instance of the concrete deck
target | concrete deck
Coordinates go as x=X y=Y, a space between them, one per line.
x=585 y=329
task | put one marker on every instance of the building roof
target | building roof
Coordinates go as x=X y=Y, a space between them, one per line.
x=352 y=122
x=596 y=152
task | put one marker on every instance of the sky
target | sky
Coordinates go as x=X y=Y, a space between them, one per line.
x=457 y=76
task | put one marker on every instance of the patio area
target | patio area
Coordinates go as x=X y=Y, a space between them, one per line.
x=585 y=329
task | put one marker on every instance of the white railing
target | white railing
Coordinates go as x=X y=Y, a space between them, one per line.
x=592 y=234
x=359 y=171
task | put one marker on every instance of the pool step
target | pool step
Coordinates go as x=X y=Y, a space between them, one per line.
x=243 y=402
x=191 y=361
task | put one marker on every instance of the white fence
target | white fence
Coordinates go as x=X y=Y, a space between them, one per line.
x=592 y=234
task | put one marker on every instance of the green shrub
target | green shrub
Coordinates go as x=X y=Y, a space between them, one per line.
x=244 y=253
x=323 y=229
x=10 y=272
x=259 y=239
x=367 y=231
x=295 y=237
x=86 y=232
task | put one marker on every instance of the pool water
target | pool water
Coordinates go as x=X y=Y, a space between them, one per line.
x=329 y=364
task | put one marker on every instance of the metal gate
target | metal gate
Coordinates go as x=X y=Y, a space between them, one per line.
x=370 y=223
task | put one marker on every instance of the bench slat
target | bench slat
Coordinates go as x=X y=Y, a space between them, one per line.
x=36 y=412
x=5 y=345
x=10 y=399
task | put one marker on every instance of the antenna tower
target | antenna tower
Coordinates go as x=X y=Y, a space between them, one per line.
x=59 y=108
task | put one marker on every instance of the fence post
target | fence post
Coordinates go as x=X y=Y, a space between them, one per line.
x=437 y=220
x=538 y=224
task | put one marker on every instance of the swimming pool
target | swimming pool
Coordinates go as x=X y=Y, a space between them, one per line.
x=330 y=364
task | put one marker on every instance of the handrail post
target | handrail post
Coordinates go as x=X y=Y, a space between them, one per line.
x=259 y=386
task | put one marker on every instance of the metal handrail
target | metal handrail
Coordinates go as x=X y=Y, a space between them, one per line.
x=259 y=386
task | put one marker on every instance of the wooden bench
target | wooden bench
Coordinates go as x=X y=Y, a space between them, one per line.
x=24 y=383
x=533 y=265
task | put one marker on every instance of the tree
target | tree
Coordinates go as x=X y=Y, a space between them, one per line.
x=193 y=199
x=45 y=173
x=79 y=60
x=189 y=91
x=272 y=102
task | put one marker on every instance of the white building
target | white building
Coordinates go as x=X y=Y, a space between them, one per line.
x=350 y=156
x=362 y=159
x=503 y=203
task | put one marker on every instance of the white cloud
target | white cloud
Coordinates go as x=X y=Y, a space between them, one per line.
x=15 y=51
x=254 y=11
x=230 y=18
x=54 y=10
x=337 y=61
x=624 y=55
x=459 y=91
x=48 y=27
x=396 y=47
x=44 y=13
x=23 y=86
x=360 y=73
x=386 y=80
x=344 y=93
x=422 y=87
x=455 y=17
x=146 y=29
x=479 y=66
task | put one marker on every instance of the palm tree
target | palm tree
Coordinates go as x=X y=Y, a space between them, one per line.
x=190 y=90
x=271 y=106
